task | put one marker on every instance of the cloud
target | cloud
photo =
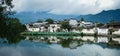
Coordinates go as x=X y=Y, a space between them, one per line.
x=66 y=7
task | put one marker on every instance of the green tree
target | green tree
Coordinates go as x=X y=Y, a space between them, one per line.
x=49 y=20
x=111 y=30
x=14 y=27
x=80 y=28
x=82 y=19
x=39 y=20
x=8 y=26
x=5 y=11
x=65 y=25
x=99 y=24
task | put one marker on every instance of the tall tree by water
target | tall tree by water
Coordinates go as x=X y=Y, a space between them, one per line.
x=8 y=26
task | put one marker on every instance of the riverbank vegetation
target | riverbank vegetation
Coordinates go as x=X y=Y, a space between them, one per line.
x=9 y=26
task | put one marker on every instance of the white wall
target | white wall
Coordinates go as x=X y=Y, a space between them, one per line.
x=86 y=31
x=103 y=31
x=56 y=26
x=73 y=22
x=33 y=29
x=117 y=32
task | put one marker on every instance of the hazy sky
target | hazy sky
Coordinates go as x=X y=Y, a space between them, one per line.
x=66 y=7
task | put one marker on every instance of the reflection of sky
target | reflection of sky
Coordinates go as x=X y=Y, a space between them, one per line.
x=26 y=48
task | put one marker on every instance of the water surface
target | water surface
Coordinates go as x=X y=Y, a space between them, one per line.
x=64 y=47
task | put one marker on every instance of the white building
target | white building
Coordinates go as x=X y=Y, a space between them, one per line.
x=88 y=31
x=116 y=32
x=73 y=22
x=36 y=27
x=102 y=31
x=32 y=29
x=54 y=27
x=85 y=24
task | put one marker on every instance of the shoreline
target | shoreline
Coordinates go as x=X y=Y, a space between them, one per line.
x=64 y=34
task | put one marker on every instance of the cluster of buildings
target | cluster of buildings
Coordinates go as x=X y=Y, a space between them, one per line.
x=42 y=27
x=88 y=27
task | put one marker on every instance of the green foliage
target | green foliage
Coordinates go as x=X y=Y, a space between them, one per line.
x=99 y=24
x=82 y=19
x=111 y=30
x=14 y=27
x=39 y=20
x=65 y=25
x=82 y=34
x=8 y=26
x=50 y=21
x=80 y=28
x=95 y=35
x=65 y=43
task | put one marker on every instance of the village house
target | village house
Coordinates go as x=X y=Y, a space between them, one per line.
x=73 y=23
x=88 y=31
x=114 y=25
x=86 y=24
x=116 y=32
x=102 y=31
x=54 y=27
x=36 y=27
x=42 y=27
x=31 y=28
x=88 y=27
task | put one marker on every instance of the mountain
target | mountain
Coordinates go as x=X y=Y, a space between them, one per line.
x=103 y=17
x=27 y=17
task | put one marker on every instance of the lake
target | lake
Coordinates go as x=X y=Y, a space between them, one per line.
x=57 y=46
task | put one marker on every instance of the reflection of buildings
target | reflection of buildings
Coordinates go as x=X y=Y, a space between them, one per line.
x=71 y=42
x=102 y=39
x=90 y=38
x=116 y=39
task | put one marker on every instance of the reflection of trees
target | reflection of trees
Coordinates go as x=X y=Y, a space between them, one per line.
x=9 y=27
x=13 y=39
x=70 y=43
x=65 y=42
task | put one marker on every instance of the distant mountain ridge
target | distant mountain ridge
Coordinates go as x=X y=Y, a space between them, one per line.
x=103 y=17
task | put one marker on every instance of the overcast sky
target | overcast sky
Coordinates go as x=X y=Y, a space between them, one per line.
x=66 y=7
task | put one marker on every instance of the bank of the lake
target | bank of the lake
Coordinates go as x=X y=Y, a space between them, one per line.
x=52 y=33
x=65 y=34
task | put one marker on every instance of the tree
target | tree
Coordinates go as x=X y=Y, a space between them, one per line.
x=50 y=21
x=5 y=11
x=80 y=28
x=8 y=26
x=14 y=27
x=39 y=20
x=82 y=19
x=111 y=30
x=99 y=24
x=65 y=25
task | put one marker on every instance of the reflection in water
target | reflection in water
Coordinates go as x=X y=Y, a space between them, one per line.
x=71 y=41
x=57 y=46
